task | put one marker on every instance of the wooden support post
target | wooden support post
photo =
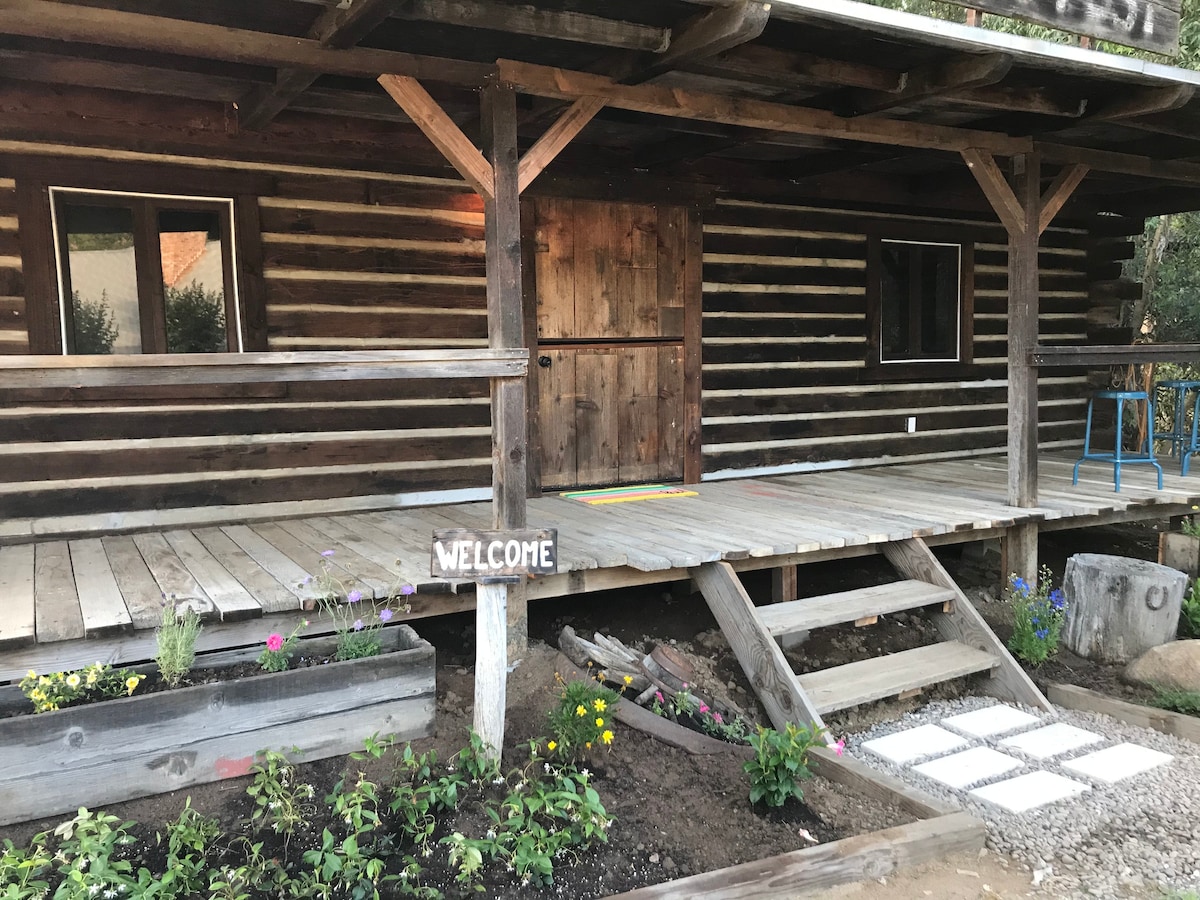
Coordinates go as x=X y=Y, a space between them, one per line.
x=491 y=665
x=783 y=584
x=1022 y=376
x=502 y=232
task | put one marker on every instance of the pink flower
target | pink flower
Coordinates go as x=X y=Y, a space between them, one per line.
x=703 y=707
x=275 y=642
x=658 y=696
x=718 y=718
x=839 y=746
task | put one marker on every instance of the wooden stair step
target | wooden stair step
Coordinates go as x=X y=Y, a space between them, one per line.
x=850 y=606
x=841 y=687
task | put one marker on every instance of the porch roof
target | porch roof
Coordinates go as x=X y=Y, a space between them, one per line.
x=1135 y=124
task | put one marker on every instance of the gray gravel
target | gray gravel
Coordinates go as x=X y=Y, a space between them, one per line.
x=1118 y=840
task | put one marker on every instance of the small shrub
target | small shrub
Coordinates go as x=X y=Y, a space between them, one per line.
x=780 y=763
x=176 y=639
x=581 y=720
x=1189 y=612
x=1038 y=617
x=195 y=320
x=359 y=619
x=94 y=326
x=97 y=682
x=281 y=803
x=1177 y=700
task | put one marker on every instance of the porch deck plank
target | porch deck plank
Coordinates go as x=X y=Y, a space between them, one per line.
x=341 y=574
x=231 y=599
x=17 y=625
x=409 y=535
x=281 y=567
x=272 y=595
x=100 y=601
x=376 y=579
x=365 y=540
x=174 y=580
x=143 y=596
x=57 y=617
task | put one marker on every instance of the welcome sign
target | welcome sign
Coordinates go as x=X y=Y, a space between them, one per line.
x=463 y=553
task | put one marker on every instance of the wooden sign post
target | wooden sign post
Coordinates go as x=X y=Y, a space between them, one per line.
x=494 y=560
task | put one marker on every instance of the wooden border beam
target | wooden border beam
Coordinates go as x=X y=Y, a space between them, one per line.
x=1059 y=192
x=1145 y=102
x=336 y=27
x=932 y=81
x=789 y=70
x=441 y=130
x=1038 y=100
x=996 y=189
x=721 y=28
x=555 y=139
x=158 y=34
x=563 y=84
x=1121 y=163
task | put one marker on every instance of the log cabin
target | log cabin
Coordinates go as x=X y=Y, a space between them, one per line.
x=299 y=274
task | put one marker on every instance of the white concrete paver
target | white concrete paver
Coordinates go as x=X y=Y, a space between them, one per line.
x=905 y=746
x=961 y=770
x=1117 y=763
x=997 y=719
x=1026 y=792
x=1053 y=740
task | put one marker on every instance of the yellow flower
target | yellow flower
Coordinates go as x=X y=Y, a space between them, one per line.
x=73 y=680
x=629 y=679
x=599 y=722
x=600 y=705
x=32 y=674
x=587 y=746
x=132 y=682
x=58 y=676
x=581 y=710
x=551 y=745
x=92 y=677
x=607 y=736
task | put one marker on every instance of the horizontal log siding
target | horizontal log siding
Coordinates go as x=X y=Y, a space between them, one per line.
x=786 y=382
x=351 y=261
x=14 y=335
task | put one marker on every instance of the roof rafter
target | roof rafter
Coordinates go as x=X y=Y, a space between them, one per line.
x=1042 y=101
x=1145 y=102
x=706 y=35
x=929 y=81
x=338 y=27
x=789 y=70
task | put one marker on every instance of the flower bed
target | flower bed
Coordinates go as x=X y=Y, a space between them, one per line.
x=147 y=744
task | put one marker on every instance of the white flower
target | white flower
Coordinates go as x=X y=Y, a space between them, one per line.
x=546 y=766
x=499 y=779
x=93 y=890
x=584 y=772
x=491 y=834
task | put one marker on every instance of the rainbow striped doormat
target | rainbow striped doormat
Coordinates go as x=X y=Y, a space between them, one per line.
x=629 y=493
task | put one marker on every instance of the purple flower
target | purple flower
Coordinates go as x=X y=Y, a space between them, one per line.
x=358 y=624
x=354 y=596
x=327 y=553
x=385 y=615
x=407 y=589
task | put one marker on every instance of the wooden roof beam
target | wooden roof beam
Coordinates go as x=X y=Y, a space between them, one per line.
x=1122 y=163
x=788 y=70
x=996 y=188
x=1041 y=101
x=1059 y=192
x=559 y=25
x=1145 y=102
x=706 y=35
x=335 y=27
x=552 y=142
x=930 y=81
x=563 y=84
x=158 y=34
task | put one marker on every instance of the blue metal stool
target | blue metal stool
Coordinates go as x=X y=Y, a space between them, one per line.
x=1118 y=457
x=1177 y=437
x=1193 y=445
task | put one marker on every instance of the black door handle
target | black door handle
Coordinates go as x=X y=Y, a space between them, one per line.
x=544 y=362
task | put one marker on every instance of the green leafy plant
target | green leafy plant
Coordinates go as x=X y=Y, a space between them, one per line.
x=358 y=620
x=1177 y=700
x=23 y=871
x=277 y=654
x=281 y=802
x=684 y=705
x=195 y=320
x=780 y=763
x=1189 y=611
x=190 y=842
x=176 y=638
x=95 y=328
x=1038 y=615
x=581 y=720
x=96 y=682
x=89 y=856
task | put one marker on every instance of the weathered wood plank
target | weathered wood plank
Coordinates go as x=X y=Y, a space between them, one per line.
x=842 y=769
x=17 y=626
x=100 y=601
x=1148 y=24
x=272 y=595
x=228 y=595
x=176 y=583
x=1164 y=720
x=853 y=859
x=281 y=567
x=58 y=616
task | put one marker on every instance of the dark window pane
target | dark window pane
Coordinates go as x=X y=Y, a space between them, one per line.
x=193 y=280
x=919 y=301
x=100 y=263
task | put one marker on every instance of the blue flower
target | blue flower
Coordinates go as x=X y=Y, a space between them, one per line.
x=1057 y=600
x=1042 y=633
x=1036 y=621
x=1020 y=585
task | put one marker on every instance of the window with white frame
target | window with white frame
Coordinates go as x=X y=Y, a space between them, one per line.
x=918 y=287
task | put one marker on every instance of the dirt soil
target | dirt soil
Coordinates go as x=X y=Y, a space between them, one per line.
x=678 y=814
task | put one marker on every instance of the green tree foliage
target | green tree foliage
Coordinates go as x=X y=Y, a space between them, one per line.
x=195 y=320
x=95 y=329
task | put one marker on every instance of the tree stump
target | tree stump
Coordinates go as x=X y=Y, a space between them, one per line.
x=1118 y=608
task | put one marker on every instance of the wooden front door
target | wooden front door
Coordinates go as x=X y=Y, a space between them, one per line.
x=610 y=288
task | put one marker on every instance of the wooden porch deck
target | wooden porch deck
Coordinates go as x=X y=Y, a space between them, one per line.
x=78 y=600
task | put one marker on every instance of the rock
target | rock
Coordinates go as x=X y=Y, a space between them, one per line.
x=1176 y=665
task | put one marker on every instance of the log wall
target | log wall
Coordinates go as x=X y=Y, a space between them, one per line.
x=351 y=261
x=786 y=380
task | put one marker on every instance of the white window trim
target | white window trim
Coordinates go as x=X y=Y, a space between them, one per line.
x=958 y=307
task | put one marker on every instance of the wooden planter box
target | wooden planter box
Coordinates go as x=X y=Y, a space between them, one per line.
x=152 y=743
x=1179 y=551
